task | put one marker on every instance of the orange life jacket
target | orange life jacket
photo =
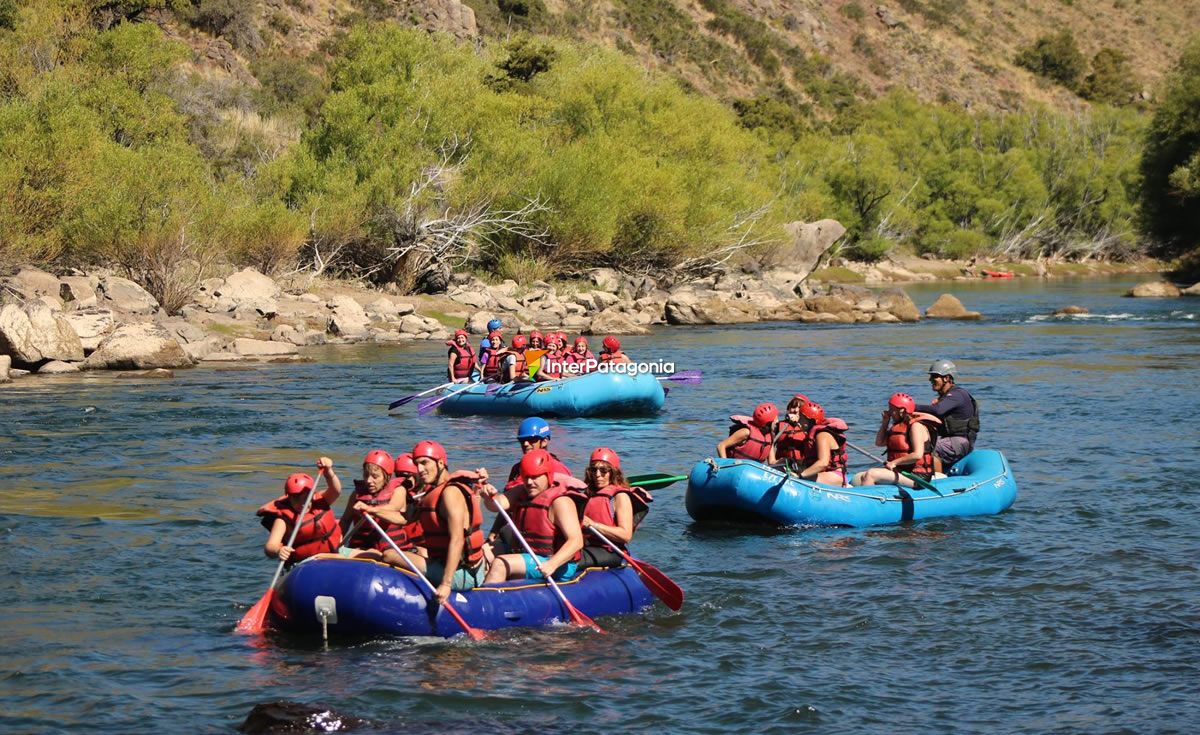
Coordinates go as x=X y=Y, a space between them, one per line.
x=437 y=533
x=838 y=458
x=532 y=515
x=464 y=361
x=406 y=535
x=601 y=508
x=898 y=444
x=319 y=530
x=757 y=446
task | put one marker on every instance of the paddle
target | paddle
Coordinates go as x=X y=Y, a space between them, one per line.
x=654 y=480
x=920 y=482
x=475 y=633
x=576 y=616
x=660 y=584
x=252 y=621
x=415 y=396
x=687 y=377
x=427 y=407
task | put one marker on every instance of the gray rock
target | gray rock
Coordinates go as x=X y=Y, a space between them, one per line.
x=251 y=348
x=92 y=325
x=123 y=295
x=155 y=373
x=297 y=309
x=415 y=324
x=1067 y=310
x=248 y=288
x=477 y=322
x=605 y=279
x=138 y=347
x=386 y=336
x=184 y=330
x=57 y=367
x=687 y=307
x=1155 y=290
x=469 y=297
x=576 y=322
x=31 y=283
x=1192 y=290
x=885 y=317
x=202 y=349
x=948 y=306
x=5 y=366
x=828 y=305
x=15 y=373
x=37 y=333
x=887 y=17
x=605 y=300
x=348 y=320
x=314 y=337
x=639 y=287
x=508 y=303
x=382 y=309
x=614 y=322
x=311 y=298
x=577 y=308
x=80 y=291
x=15 y=335
x=896 y=302
x=807 y=243
x=507 y=287
x=287 y=333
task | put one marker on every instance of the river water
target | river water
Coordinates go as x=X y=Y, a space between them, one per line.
x=131 y=549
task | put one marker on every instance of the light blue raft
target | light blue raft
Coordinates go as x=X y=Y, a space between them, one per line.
x=981 y=483
x=593 y=394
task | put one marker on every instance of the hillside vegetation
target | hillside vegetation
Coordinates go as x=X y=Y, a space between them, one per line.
x=173 y=137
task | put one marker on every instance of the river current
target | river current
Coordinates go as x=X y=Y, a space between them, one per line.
x=131 y=548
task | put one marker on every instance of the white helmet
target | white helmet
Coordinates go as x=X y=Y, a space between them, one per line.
x=943 y=367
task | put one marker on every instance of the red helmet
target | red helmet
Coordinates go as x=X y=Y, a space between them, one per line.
x=903 y=400
x=493 y=336
x=611 y=343
x=405 y=464
x=579 y=340
x=535 y=334
x=460 y=333
x=429 y=449
x=381 y=459
x=297 y=483
x=802 y=398
x=535 y=463
x=562 y=338
x=604 y=454
x=813 y=411
x=519 y=341
x=765 y=414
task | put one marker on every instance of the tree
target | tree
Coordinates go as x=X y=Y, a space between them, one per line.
x=1171 y=162
x=1055 y=57
x=1111 y=81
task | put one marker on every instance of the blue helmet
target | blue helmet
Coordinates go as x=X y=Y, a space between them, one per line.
x=494 y=325
x=485 y=344
x=533 y=428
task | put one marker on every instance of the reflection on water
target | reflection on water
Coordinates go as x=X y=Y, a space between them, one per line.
x=132 y=549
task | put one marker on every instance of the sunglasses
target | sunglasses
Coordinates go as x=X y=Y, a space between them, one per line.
x=596 y=469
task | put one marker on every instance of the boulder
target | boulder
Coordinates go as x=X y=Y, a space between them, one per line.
x=138 y=347
x=813 y=317
x=476 y=299
x=605 y=300
x=1071 y=310
x=155 y=373
x=57 y=367
x=1154 y=290
x=300 y=308
x=828 y=305
x=806 y=243
x=55 y=303
x=92 y=325
x=948 y=306
x=80 y=291
x=507 y=303
x=614 y=322
x=605 y=279
x=204 y=348
x=885 y=317
x=249 y=290
x=687 y=307
x=477 y=322
x=184 y=330
x=5 y=366
x=896 y=302
x=386 y=310
x=123 y=295
x=415 y=324
x=348 y=319
x=37 y=333
x=507 y=287
x=287 y=333
x=1192 y=290
x=576 y=322
x=31 y=283
x=889 y=271
x=252 y=348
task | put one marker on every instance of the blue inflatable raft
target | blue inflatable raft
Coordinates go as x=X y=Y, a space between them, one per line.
x=368 y=599
x=981 y=483
x=593 y=394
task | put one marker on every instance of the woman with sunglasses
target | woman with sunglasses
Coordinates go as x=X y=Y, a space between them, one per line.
x=384 y=492
x=613 y=508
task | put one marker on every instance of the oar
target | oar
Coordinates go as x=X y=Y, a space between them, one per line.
x=660 y=584
x=577 y=617
x=415 y=396
x=920 y=482
x=475 y=633
x=427 y=407
x=252 y=621
x=687 y=377
x=654 y=480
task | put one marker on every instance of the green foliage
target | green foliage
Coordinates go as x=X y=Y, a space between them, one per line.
x=8 y=15
x=853 y=11
x=1055 y=57
x=286 y=83
x=522 y=268
x=751 y=33
x=234 y=20
x=526 y=58
x=1171 y=163
x=1111 y=81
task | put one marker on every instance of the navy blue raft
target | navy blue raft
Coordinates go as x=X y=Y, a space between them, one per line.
x=369 y=599
x=981 y=483
x=593 y=394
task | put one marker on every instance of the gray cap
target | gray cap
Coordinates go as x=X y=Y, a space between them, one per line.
x=943 y=367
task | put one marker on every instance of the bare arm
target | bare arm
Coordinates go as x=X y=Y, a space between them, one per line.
x=564 y=515
x=918 y=437
x=453 y=510
x=732 y=441
x=881 y=435
x=824 y=453
x=275 y=541
x=621 y=533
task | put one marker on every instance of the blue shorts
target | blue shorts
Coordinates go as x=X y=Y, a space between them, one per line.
x=464 y=579
x=566 y=571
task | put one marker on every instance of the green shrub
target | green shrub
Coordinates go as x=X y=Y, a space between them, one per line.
x=853 y=11
x=869 y=250
x=8 y=15
x=958 y=244
x=234 y=20
x=1111 y=81
x=1055 y=57
x=525 y=58
x=523 y=268
x=1171 y=162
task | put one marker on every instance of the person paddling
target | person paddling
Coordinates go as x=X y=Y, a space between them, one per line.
x=750 y=437
x=611 y=351
x=532 y=434
x=384 y=491
x=613 y=508
x=461 y=365
x=452 y=522
x=909 y=441
x=319 y=532
x=545 y=507
x=958 y=411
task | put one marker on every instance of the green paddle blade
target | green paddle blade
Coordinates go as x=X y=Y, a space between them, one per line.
x=655 y=480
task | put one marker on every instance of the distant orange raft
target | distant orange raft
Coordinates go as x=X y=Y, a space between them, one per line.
x=997 y=274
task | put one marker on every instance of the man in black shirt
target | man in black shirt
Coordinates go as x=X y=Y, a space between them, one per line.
x=958 y=411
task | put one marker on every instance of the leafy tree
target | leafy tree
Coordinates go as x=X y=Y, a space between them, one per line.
x=1111 y=81
x=1170 y=195
x=1056 y=57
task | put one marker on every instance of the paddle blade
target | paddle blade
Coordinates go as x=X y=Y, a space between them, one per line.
x=428 y=406
x=582 y=620
x=475 y=634
x=663 y=587
x=401 y=402
x=252 y=622
x=655 y=480
x=921 y=482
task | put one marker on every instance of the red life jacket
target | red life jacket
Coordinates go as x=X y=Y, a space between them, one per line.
x=613 y=357
x=575 y=358
x=791 y=442
x=532 y=515
x=522 y=372
x=405 y=535
x=464 y=362
x=550 y=367
x=757 y=446
x=556 y=466
x=437 y=533
x=898 y=445
x=838 y=458
x=601 y=508
x=491 y=368
x=319 y=530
